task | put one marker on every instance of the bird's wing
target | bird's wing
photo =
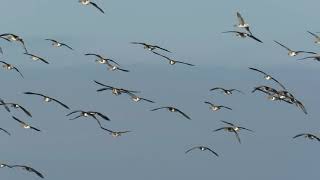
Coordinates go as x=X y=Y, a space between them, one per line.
x=301 y=106
x=62 y=44
x=192 y=149
x=186 y=116
x=52 y=40
x=35 y=128
x=253 y=37
x=237 y=91
x=161 y=55
x=18 y=71
x=25 y=111
x=18 y=120
x=103 y=84
x=240 y=19
x=4 y=62
x=278 y=82
x=92 y=54
x=225 y=107
x=307 y=52
x=103 y=116
x=212 y=151
x=254 y=69
x=246 y=129
x=299 y=135
x=147 y=100
x=4 y=104
x=231 y=124
x=314 y=35
x=219 y=129
x=159 y=108
x=207 y=102
x=5 y=131
x=59 y=102
x=185 y=63
x=162 y=48
x=217 y=88
x=124 y=70
x=106 y=129
x=282 y=45
x=32 y=93
x=95 y=5
x=237 y=135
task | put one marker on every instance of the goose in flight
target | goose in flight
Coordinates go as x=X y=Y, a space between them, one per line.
x=242 y=23
x=114 y=90
x=14 y=105
x=308 y=136
x=36 y=58
x=150 y=47
x=172 y=61
x=233 y=128
x=202 y=148
x=88 y=2
x=317 y=41
x=115 y=133
x=56 y=43
x=10 y=67
x=25 y=125
x=265 y=89
x=216 y=107
x=268 y=77
x=243 y=35
x=5 y=131
x=12 y=38
x=172 y=109
x=26 y=168
x=226 y=91
x=47 y=98
x=101 y=60
x=89 y=113
x=136 y=98
x=292 y=52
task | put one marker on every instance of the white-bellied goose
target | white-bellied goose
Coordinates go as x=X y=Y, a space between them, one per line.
x=317 y=41
x=12 y=37
x=202 y=148
x=226 y=91
x=26 y=168
x=292 y=52
x=88 y=2
x=87 y=114
x=10 y=67
x=268 y=77
x=25 y=125
x=115 y=91
x=243 y=35
x=172 y=61
x=56 y=43
x=242 y=23
x=14 y=105
x=307 y=135
x=47 y=98
x=136 y=98
x=172 y=109
x=150 y=47
x=115 y=133
x=101 y=60
x=36 y=58
x=216 y=107
x=3 y=130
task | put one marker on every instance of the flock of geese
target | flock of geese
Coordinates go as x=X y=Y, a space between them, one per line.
x=274 y=94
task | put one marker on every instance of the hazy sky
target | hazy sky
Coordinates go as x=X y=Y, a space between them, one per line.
x=155 y=147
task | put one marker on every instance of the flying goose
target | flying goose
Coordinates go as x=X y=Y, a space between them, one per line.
x=87 y=114
x=25 y=125
x=101 y=59
x=115 y=91
x=226 y=91
x=307 y=135
x=10 y=67
x=47 y=98
x=243 y=35
x=136 y=98
x=172 y=61
x=26 y=168
x=268 y=77
x=202 y=148
x=7 y=132
x=14 y=105
x=56 y=43
x=12 y=37
x=242 y=23
x=115 y=133
x=88 y=2
x=233 y=128
x=216 y=107
x=292 y=52
x=172 y=109
x=150 y=47
x=36 y=58
x=317 y=41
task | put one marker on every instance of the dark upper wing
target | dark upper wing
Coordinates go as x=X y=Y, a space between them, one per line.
x=237 y=135
x=103 y=84
x=60 y=103
x=237 y=32
x=206 y=102
x=228 y=123
x=124 y=70
x=62 y=44
x=74 y=112
x=212 y=151
x=192 y=149
x=301 y=106
x=30 y=170
x=32 y=93
x=282 y=45
x=18 y=71
x=92 y=54
x=52 y=40
x=246 y=129
x=258 y=71
x=186 y=116
x=217 y=88
x=161 y=55
x=1 y=50
x=106 y=129
x=225 y=107
x=35 y=128
x=18 y=120
x=185 y=63
x=159 y=108
x=236 y=91
x=219 y=129
x=299 y=135
x=278 y=82
x=95 y=5
x=314 y=35
x=162 y=48
x=4 y=63
x=308 y=52
x=240 y=19
x=24 y=110
x=139 y=43
x=147 y=100
x=4 y=104
x=5 y=131
x=24 y=46
x=253 y=37
x=102 y=116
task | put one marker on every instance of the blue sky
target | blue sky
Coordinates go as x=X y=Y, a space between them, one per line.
x=155 y=147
